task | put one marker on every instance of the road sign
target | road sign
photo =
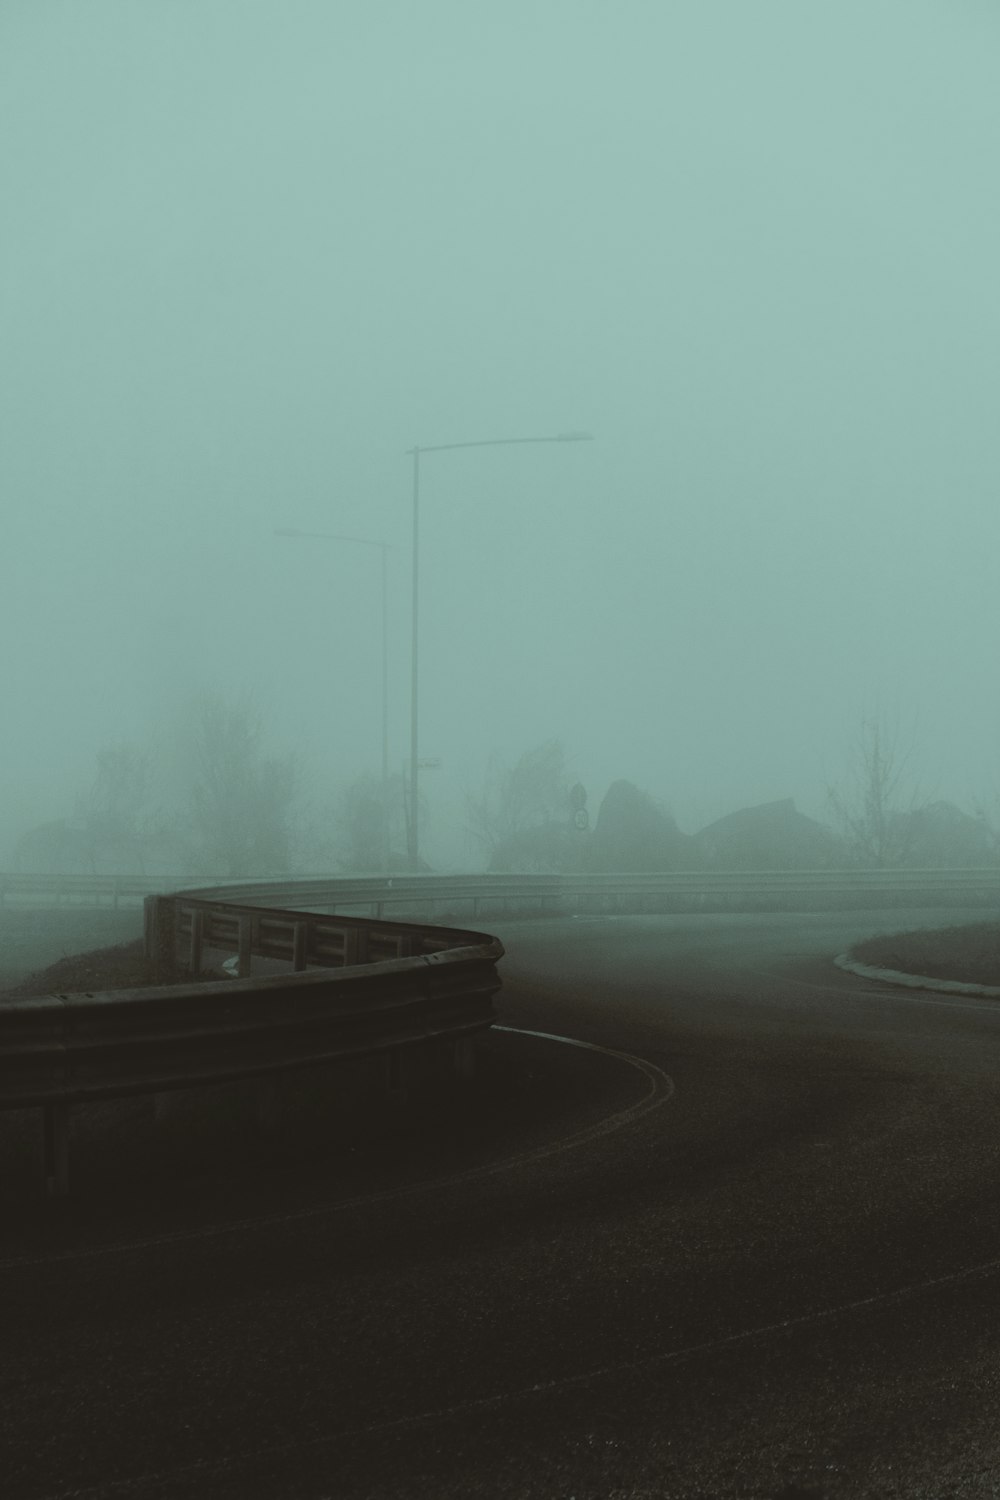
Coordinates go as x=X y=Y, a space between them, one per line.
x=582 y=819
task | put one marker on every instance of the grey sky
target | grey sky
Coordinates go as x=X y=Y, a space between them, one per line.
x=253 y=251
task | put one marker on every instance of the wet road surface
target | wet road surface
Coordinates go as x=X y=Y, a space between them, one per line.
x=743 y=1243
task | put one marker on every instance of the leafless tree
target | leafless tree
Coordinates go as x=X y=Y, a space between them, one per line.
x=118 y=817
x=987 y=811
x=874 y=808
x=371 y=825
x=514 y=801
x=241 y=798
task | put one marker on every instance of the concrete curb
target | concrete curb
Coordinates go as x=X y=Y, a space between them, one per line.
x=916 y=981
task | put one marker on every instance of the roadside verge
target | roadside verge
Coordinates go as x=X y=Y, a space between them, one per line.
x=915 y=981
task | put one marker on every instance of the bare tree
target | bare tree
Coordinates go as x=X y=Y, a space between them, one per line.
x=987 y=812
x=118 y=817
x=875 y=808
x=242 y=799
x=113 y=827
x=519 y=805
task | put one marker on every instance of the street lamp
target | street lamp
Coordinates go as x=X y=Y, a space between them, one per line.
x=412 y=835
x=384 y=548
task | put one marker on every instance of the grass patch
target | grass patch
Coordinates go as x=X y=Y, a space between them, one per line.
x=969 y=954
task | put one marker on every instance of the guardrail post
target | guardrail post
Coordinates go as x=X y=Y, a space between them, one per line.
x=55 y=1117
x=160 y=930
x=352 y=946
x=300 y=934
x=197 y=933
x=245 y=951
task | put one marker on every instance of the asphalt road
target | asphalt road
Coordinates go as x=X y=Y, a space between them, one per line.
x=744 y=1243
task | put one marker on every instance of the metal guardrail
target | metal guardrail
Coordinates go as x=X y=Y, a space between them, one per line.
x=87 y=890
x=181 y=929
x=380 y=894
x=349 y=987
x=670 y=891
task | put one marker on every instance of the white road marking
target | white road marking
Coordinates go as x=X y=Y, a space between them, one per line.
x=660 y=1089
x=542 y=1388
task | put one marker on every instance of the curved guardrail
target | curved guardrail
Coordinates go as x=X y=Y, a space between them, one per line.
x=575 y=892
x=335 y=985
x=562 y=892
x=335 y=988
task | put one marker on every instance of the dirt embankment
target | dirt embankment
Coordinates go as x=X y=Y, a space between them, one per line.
x=70 y=949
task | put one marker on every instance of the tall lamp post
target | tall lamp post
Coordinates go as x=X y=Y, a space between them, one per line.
x=412 y=833
x=384 y=548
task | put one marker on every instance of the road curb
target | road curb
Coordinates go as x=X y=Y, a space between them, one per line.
x=915 y=981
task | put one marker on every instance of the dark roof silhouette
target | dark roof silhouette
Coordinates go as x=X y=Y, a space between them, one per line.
x=771 y=836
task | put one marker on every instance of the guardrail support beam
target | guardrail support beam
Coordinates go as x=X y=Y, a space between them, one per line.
x=197 y=930
x=160 y=931
x=300 y=936
x=245 y=951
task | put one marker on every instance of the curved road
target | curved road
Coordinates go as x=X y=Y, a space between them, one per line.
x=743 y=1243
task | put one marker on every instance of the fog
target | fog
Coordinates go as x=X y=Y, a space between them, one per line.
x=254 y=252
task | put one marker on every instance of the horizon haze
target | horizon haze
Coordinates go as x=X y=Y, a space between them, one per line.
x=255 y=253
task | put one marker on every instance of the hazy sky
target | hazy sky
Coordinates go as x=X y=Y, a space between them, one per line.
x=252 y=252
